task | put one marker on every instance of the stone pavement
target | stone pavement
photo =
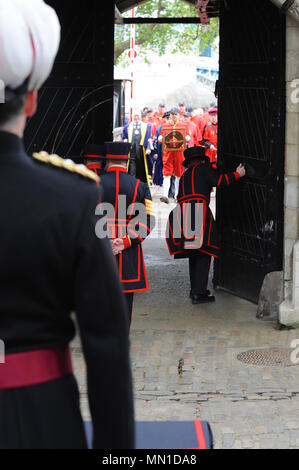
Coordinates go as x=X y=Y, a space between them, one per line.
x=184 y=359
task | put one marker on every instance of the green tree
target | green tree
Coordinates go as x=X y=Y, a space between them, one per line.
x=188 y=39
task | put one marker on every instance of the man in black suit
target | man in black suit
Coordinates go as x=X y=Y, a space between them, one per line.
x=129 y=222
x=52 y=263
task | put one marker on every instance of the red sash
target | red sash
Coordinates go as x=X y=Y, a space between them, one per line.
x=35 y=367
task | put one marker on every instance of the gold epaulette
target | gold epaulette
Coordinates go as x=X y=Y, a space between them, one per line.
x=69 y=165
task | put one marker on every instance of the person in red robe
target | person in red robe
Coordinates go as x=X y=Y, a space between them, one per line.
x=160 y=113
x=197 y=117
x=152 y=121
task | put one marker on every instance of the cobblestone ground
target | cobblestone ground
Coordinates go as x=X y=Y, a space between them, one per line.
x=185 y=365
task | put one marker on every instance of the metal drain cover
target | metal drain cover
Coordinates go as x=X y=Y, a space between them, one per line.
x=267 y=357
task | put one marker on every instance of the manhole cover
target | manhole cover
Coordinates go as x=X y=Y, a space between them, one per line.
x=267 y=357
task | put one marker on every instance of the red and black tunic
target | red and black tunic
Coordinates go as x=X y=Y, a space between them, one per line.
x=194 y=196
x=130 y=223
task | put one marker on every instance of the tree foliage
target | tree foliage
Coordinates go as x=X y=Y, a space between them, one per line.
x=160 y=38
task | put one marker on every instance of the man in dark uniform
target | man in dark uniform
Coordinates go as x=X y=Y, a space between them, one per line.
x=52 y=264
x=94 y=155
x=191 y=230
x=131 y=221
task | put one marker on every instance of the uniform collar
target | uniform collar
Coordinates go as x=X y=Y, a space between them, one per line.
x=117 y=168
x=10 y=144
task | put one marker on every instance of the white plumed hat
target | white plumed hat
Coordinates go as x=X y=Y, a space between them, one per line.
x=29 y=42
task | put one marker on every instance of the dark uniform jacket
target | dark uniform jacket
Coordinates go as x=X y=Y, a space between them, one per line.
x=126 y=222
x=52 y=263
x=182 y=235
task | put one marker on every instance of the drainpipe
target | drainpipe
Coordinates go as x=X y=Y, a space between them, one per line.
x=288 y=6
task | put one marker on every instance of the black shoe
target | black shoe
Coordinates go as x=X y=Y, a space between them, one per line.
x=164 y=199
x=202 y=298
x=208 y=292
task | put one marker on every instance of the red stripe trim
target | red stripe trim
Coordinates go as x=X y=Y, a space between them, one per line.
x=140 y=224
x=136 y=235
x=35 y=367
x=200 y=435
x=219 y=181
x=227 y=180
x=143 y=289
x=127 y=242
x=94 y=167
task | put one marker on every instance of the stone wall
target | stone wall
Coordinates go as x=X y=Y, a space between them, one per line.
x=289 y=309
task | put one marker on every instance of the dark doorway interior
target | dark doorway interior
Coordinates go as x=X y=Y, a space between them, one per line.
x=252 y=131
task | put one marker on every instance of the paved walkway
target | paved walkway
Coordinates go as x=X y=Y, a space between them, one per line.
x=185 y=365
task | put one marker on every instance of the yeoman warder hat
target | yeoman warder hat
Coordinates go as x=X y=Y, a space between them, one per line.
x=95 y=151
x=117 y=150
x=195 y=152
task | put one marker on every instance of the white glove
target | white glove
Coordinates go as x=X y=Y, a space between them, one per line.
x=188 y=138
x=160 y=139
x=125 y=140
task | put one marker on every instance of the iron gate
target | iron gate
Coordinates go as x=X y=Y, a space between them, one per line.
x=252 y=131
x=76 y=103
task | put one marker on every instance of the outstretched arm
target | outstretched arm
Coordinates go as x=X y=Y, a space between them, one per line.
x=221 y=180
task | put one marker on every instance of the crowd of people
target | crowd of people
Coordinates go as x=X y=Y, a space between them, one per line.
x=155 y=162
